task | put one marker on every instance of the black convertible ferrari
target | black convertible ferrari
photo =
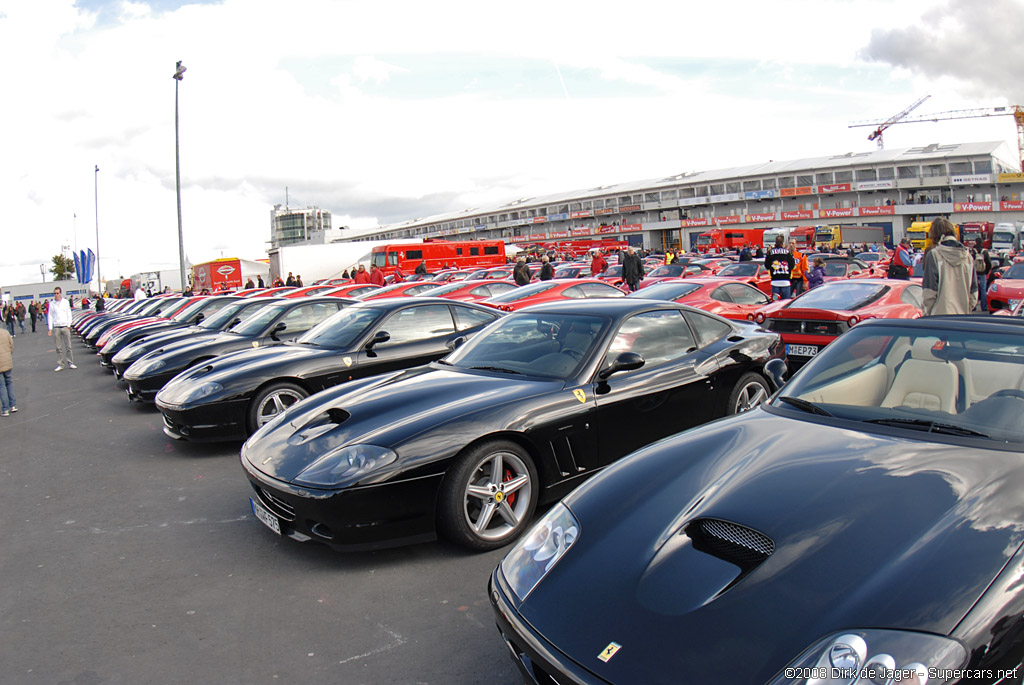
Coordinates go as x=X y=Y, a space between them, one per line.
x=865 y=526
x=536 y=403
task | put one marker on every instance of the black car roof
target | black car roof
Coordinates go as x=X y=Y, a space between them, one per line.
x=608 y=306
x=392 y=303
x=958 y=322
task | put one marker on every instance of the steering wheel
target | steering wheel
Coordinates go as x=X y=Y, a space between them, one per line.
x=1008 y=392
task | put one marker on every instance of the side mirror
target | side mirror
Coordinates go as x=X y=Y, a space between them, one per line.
x=199 y=317
x=456 y=343
x=378 y=338
x=627 y=361
x=281 y=325
x=776 y=370
x=234 y=323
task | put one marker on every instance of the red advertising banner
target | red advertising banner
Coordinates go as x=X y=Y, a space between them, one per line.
x=581 y=215
x=972 y=206
x=831 y=213
x=538 y=236
x=607 y=229
x=581 y=231
x=695 y=222
x=878 y=211
x=790 y=192
x=560 y=234
x=1011 y=205
x=759 y=217
x=606 y=210
x=720 y=220
x=629 y=228
x=630 y=208
x=799 y=214
x=539 y=219
x=834 y=188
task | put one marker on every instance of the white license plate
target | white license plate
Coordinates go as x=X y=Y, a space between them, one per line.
x=1014 y=303
x=802 y=350
x=268 y=519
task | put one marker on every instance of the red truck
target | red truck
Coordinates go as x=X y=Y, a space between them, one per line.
x=972 y=230
x=728 y=239
x=438 y=254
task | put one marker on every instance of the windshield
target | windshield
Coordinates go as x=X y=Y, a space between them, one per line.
x=548 y=346
x=844 y=296
x=190 y=311
x=835 y=268
x=704 y=240
x=1015 y=272
x=937 y=381
x=443 y=289
x=667 y=271
x=523 y=292
x=823 y=236
x=744 y=269
x=341 y=330
x=665 y=291
x=223 y=316
x=1002 y=237
x=258 y=320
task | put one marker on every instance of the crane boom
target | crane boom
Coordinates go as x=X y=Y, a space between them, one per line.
x=881 y=126
x=1016 y=111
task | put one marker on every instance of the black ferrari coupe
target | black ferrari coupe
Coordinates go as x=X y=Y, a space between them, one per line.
x=536 y=403
x=864 y=526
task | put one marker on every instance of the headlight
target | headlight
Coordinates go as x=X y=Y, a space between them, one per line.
x=994 y=288
x=346 y=464
x=877 y=656
x=139 y=368
x=536 y=554
x=197 y=391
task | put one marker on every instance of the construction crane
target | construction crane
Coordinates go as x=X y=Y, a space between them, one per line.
x=881 y=126
x=1016 y=111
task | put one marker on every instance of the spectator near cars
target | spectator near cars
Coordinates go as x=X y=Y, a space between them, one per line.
x=950 y=279
x=779 y=263
x=901 y=262
x=547 y=272
x=598 y=265
x=376 y=275
x=799 y=273
x=816 y=276
x=521 y=274
x=982 y=266
x=632 y=269
x=361 y=276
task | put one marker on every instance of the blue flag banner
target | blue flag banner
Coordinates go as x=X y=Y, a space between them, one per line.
x=88 y=264
x=78 y=266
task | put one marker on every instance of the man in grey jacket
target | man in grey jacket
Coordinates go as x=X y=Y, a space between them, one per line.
x=950 y=281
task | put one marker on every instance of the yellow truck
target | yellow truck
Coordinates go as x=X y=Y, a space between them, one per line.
x=833 y=236
x=918 y=234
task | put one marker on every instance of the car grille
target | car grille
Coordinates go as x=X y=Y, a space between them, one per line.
x=730 y=542
x=832 y=328
x=275 y=504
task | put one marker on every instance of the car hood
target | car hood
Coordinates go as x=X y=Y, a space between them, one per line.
x=386 y=411
x=869 y=530
x=254 y=360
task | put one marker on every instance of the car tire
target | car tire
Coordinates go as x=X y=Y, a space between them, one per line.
x=751 y=390
x=271 y=401
x=488 y=496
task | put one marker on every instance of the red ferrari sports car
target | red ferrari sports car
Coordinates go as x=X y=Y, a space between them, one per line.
x=721 y=296
x=350 y=290
x=404 y=289
x=751 y=273
x=471 y=291
x=1007 y=291
x=549 y=291
x=812 y=320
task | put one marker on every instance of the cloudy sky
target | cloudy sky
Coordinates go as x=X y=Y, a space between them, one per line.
x=383 y=110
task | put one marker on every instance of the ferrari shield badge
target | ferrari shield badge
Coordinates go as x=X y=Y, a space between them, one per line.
x=580 y=395
x=255 y=343
x=347 y=360
x=609 y=651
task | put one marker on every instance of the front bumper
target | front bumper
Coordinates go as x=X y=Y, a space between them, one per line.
x=351 y=519
x=539 y=661
x=223 y=420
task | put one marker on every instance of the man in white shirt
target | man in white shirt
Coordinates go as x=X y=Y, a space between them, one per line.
x=140 y=294
x=58 y=318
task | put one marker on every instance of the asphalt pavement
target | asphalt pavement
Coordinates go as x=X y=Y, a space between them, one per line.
x=128 y=557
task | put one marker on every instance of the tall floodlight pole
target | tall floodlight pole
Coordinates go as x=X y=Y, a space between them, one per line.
x=96 y=200
x=179 y=73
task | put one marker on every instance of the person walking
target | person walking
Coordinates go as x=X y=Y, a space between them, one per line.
x=982 y=266
x=950 y=278
x=33 y=313
x=19 y=311
x=598 y=265
x=799 y=274
x=632 y=269
x=421 y=268
x=521 y=272
x=259 y=281
x=361 y=276
x=901 y=262
x=140 y=294
x=816 y=276
x=547 y=272
x=58 y=320
x=779 y=263
x=7 y=403
x=376 y=275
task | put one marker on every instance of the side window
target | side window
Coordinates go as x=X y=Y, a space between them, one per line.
x=708 y=328
x=496 y=288
x=742 y=293
x=574 y=292
x=466 y=317
x=656 y=336
x=912 y=295
x=303 y=318
x=418 y=323
x=721 y=294
x=600 y=290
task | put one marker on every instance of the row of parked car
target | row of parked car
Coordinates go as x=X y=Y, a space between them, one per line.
x=859 y=518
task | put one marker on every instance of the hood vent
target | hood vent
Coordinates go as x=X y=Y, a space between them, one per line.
x=321 y=423
x=730 y=542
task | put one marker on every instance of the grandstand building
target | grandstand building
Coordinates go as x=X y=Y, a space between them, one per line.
x=887 y=188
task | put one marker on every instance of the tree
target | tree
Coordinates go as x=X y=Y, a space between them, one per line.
x=63 y=267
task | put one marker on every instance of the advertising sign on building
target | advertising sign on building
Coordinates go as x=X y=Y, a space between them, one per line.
x=972 y=206
x=581 y=214
x=560 y=234
x=722 y=220
x=727 y=197
x=790 y=192
x=760 y=217
x=606 y=210
x=1016 y=177
x=878 y=211
x=1011 y=205
x=629 y=208
x=832 y=213
x=539 y=219
x=689 y=223
x=798 y=214
x=607 y=229
x=876 y=185
x=974 y=178
x=581 y=231
x=834 y=188
x=538 y=236
x=758 y=194
x=558 y=217
x=690 y=201
x=629 y=228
